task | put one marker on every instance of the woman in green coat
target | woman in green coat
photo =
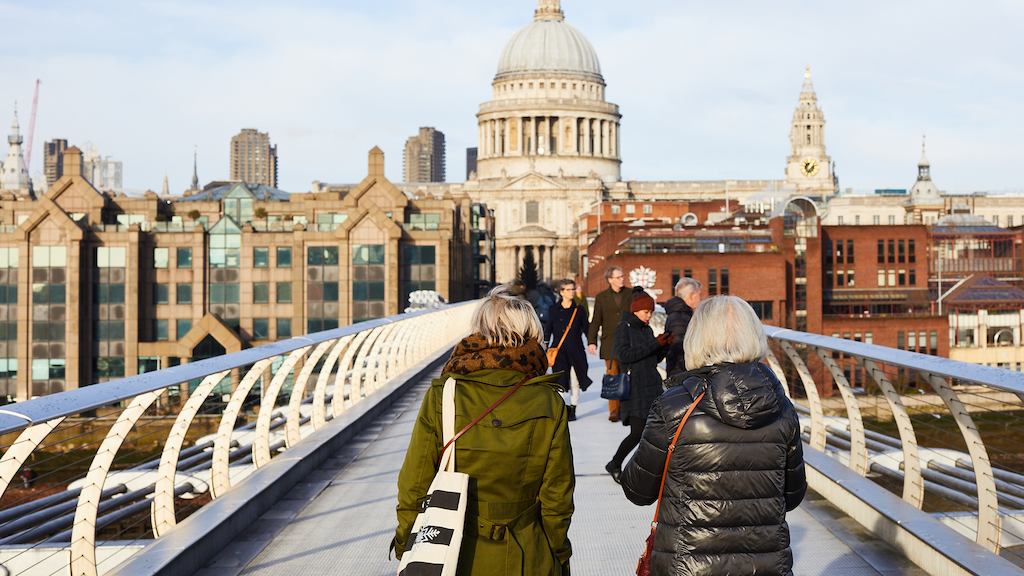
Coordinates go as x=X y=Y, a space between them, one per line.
x=518 y=458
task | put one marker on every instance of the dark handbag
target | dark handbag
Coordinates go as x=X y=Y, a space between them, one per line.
x=643 y=566
x=615 y=386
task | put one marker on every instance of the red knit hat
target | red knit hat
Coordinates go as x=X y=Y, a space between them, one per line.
x=641 y=300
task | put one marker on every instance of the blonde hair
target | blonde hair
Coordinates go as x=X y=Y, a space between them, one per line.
x=506 y=321
x=724 y=329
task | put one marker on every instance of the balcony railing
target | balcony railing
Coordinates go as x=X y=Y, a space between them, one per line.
x=83 y=485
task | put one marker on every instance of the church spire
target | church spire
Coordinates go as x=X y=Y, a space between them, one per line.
x=14 y=175
x=195 y=168
x=924 y=167
x=808 y=87
x=549 y=10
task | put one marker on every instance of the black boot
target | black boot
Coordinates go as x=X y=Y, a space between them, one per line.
x=572 y=412
x=615 y=470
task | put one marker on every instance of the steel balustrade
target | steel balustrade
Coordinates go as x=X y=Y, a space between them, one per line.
x=362 y=358
x=946 y=378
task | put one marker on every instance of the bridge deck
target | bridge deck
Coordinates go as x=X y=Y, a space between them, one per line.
x=341 y=520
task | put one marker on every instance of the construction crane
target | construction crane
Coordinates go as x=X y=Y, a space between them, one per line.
x=32 y=128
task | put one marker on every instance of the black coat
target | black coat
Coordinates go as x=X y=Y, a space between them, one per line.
x=736 y=470
x=572 y=354
x=638 y=352
x=677 y=318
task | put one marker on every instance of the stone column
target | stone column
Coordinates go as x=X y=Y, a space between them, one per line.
x=507 y=134
x=551 y=261
x=605 y=146
x=614 y=140
x=540 y=263
x=480 y=138
x=586 y=137
x=498 y=150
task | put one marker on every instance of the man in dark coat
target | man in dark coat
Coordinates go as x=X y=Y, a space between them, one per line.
x=738 y=465
x=638 y=353
x=678 y=311
x=609 y=306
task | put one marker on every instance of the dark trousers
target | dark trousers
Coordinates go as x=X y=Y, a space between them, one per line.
x=636 y=431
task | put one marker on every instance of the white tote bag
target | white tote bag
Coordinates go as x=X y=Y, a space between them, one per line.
x=439 y=525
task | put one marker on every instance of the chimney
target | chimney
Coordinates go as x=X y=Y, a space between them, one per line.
x=73 y=161
x=376 y=162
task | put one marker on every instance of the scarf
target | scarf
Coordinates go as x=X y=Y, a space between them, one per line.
x=473 y=353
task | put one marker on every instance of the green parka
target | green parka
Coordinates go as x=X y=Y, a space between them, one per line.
x=521 y=474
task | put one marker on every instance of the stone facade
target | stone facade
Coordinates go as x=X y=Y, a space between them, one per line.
x=97 y=286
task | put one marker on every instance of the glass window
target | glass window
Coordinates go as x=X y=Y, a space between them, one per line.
x=261 y=257
x=260 y=292
x=284 y=257
x=724 y=274
x=184 y=257
x=148 y=364
x=911 y=255
x=160 y=329
x=881 y=251
x=284 y=292
x=260 y=328
x=160 y=257
x=183 y=293
x=181 y=328
x=160 y=293
x=284 y=328
x=712 y=282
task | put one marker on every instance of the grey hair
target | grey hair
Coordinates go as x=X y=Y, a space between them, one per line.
x=505 y=321
x=611 y=270
x=687 y=285
x=724 y=329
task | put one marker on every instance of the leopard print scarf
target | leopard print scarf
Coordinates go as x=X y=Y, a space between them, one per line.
x=473 y=353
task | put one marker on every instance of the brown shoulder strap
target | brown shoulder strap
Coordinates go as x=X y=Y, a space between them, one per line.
x=568 y=326
x=671 y=449
x=481 y=417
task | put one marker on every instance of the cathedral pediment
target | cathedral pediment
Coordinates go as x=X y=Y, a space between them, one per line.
x=533 y=181
x=532 y=231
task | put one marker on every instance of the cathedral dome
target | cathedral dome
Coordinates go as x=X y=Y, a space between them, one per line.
x=549 y=44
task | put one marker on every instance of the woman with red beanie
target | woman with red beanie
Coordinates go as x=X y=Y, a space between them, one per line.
x=638 y=353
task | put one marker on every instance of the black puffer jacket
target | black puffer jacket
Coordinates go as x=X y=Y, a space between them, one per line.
x=677 y=319
x=736 y=470
x=638 y=352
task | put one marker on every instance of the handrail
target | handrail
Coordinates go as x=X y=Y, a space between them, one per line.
x=20 y=415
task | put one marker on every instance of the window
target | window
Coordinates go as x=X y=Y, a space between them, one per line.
x=913 y=277
x=881 y=277
x=159 y=330
x=648 y=209
x=687 y=273
x=881 y=251
x=183 y=293
x=368 y=273
x=160 y=257
x=712 y=282
x=260 y=257
x=892 y=277
x=856 y=219
x=839 y=220
x=148 y=364
x=891 y=254
x=725 y=280
x=630 y=209
x=260 y=292
x=901 y=341
x=284 y=257
x=532 y=212
x=615 y=208
x=322 y=276
x=181 y=327
x=184 y=257
x=902 y=258
x=762 y=308
x=418 y=270
x=840 y=278
x=849 y=252
x=160 y=293
x=260 y=328
x=849 y=278
x=933 y=343
x=284 y=292
x=284 y=328
x=892 y=219
x=876 y=219
x=911 y=255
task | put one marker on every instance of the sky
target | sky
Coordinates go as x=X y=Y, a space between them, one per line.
x=706 y=88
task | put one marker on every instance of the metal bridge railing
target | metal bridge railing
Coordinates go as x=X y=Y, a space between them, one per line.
x=947 y=437
x=89 y=474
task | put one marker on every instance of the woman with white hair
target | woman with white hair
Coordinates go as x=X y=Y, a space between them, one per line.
x=518 y=457
x=737 y=466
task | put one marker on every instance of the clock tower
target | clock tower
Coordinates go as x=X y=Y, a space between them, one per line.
x=809 y=167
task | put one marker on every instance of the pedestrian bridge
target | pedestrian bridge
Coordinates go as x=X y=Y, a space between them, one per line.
x=284 y=459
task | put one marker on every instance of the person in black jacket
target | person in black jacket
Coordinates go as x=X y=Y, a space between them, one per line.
x=678 y=311
x=738 y=465
x=572 y=357
x=638 y=353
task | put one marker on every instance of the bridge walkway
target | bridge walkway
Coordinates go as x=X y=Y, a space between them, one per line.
x=340 y=520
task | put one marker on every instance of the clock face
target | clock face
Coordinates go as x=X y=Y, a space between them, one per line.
x=809 y=167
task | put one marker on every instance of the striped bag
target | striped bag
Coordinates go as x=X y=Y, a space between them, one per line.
x=436 y=535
